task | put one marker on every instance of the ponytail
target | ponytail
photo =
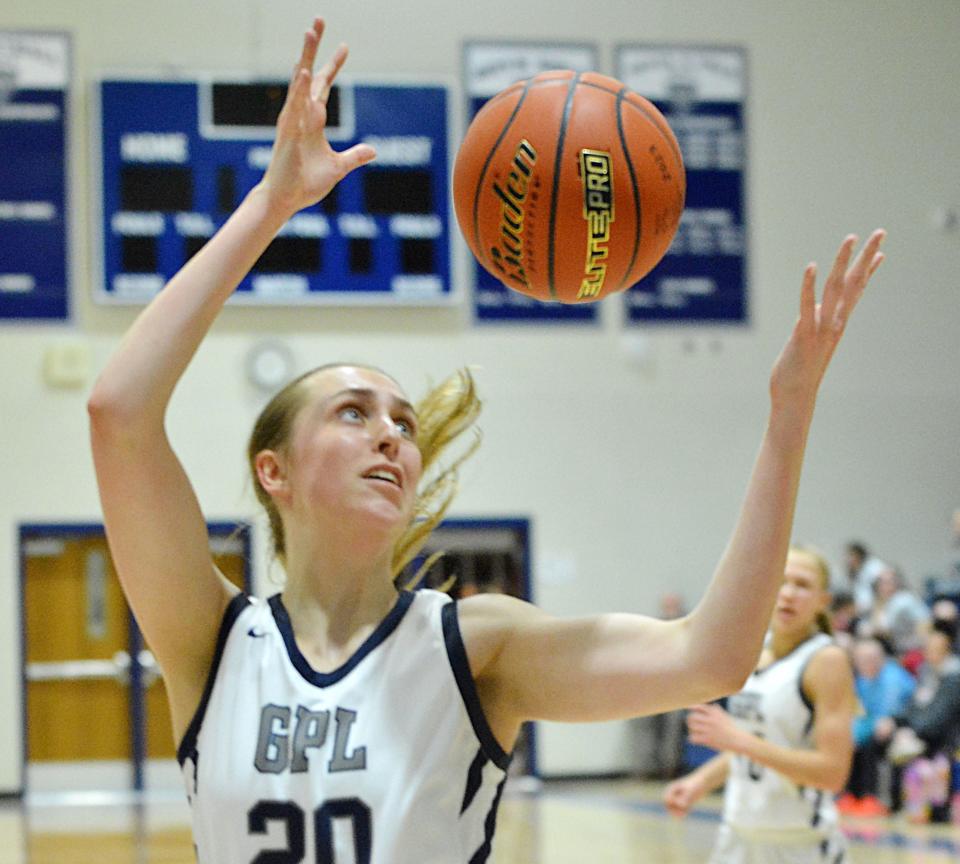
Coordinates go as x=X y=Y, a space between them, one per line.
x=823 y=623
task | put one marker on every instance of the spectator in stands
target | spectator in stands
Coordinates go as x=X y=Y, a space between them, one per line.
x=884 y=688
x=862 y=570
x=945 y=615
x=843 y=619
x=928 y=731
x=945 y=583
x=897 y=612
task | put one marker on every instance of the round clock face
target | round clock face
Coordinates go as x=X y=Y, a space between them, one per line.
x=269 y=365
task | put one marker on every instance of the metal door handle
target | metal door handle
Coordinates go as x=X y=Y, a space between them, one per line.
x=116 y=668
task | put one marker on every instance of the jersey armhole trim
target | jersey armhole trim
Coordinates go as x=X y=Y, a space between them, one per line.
x=236 y=605
x=803 y=696
x=460 y=664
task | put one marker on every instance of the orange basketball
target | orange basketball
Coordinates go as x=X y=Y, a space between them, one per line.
x=568 y=186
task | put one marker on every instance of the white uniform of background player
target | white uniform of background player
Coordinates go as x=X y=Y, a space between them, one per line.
x=784 y=743
x=354 y=765
x=762 y=807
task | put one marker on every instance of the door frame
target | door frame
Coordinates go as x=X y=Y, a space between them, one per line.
x=27 y=531
x=522 y=525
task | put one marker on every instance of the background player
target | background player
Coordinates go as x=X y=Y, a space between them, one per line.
x=787 y=737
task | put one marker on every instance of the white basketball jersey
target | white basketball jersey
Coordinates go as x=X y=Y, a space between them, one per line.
x=387 y=760
x=772 y=706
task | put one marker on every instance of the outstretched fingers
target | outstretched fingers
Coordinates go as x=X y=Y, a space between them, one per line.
x=799 y=369
x=323 y=80
x=846 y=282
x=868 y=260
x=808 y=296
x=857 y=277
x=311 y=42
x=833 y=287
x=299 y=89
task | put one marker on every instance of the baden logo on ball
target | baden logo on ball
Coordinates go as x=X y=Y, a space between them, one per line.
x=507 y=254
x=569 y=186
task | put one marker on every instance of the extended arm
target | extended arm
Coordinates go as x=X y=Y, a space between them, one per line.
x=531 y=665
x=155 y=527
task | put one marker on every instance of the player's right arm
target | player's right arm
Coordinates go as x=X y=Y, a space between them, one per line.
x=155 y=527
x=682 y=794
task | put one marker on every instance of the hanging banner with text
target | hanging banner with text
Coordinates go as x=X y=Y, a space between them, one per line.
x=34 y=82
x=702 y=93
x=488 y=68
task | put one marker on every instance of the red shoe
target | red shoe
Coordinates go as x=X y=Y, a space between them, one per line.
x=871 y=806
x=848 y=805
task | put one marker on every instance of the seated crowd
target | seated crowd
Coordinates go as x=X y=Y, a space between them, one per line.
x=904 y=651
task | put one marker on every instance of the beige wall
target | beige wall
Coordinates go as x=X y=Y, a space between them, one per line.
x=631 y=471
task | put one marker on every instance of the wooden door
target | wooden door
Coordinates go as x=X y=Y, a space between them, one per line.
x=77 y=635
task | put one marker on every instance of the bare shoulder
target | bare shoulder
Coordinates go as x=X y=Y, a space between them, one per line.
x=831 y=659
x=481 y=606
x=487 y=622
x=828 y=672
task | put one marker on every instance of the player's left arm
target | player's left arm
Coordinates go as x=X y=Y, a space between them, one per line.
x=828 y=685
x=533 y=666
x=530 y=665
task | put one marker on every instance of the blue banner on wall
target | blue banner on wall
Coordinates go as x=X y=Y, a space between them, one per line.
x=702 y=93
x=489 y=67
x=34 y=228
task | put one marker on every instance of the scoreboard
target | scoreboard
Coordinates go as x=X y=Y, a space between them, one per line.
x=177 y=157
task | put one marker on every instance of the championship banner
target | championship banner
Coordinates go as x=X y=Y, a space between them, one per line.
x=34 y=86
x=702 y=93
x=488 y=68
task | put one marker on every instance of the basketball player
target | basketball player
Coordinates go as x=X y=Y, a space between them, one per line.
x=787 y=744
x=342 y=719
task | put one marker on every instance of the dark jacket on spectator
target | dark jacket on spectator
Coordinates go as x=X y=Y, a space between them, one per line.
x=934 y=712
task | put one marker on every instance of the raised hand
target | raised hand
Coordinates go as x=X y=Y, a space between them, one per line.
x=804 y=359
x=304 y=167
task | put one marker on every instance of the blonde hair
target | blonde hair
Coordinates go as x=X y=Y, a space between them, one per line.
x=446 y=412
x=819 y=563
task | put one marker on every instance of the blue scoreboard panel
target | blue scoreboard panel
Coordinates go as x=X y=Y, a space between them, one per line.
x=34 y=228
x=178 y=156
